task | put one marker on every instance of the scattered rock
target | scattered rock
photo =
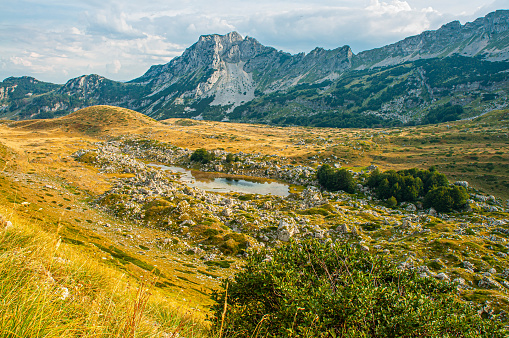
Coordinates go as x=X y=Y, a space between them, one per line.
x=442 y=276
x=461 y=184
x=488 y=283
x=468 y=266
x=286 y=230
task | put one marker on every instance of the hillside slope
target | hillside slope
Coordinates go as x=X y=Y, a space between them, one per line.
x=91 y=120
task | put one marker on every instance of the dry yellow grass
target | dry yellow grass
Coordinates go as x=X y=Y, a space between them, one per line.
x=50 y=289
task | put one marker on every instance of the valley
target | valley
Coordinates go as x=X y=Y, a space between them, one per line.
x=88 y=179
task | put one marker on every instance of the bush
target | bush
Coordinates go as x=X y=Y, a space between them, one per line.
x=203 y=156
x=334 y=179
x=311 y=289
x=446 y=199
x=392 y=202
x=405 y=185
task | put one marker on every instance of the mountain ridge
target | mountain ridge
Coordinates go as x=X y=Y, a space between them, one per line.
x=220 y=77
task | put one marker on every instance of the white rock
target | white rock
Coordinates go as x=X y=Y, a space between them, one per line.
x=461 y=184
x=488 y=283
x=442 y=276
x=227 y=212
x=285 y=230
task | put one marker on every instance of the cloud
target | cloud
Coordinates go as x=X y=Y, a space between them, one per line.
x=114 y=67
x=382 y=8
x=111 y=24
x=330 y=27
x=20 y=61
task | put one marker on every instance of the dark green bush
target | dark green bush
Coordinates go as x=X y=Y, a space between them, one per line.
x=310 y=289
x=392 y=202
x=203 y=156
x=444 y=113
x=446 y=199
x=230 y=158
x=405 y=185
x=334 y=179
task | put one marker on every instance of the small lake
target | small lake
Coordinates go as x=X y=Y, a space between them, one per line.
x=223 y=184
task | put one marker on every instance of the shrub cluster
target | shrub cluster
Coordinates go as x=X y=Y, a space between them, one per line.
x=335 y=179
x=203 y=156
x=310 y=289
x=412 y=184
x=446 y=199
x=230 y=158
x=405 y=185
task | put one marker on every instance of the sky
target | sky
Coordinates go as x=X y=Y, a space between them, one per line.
x=56 y=40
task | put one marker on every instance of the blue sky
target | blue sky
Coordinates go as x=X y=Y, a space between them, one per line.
x=56 y=40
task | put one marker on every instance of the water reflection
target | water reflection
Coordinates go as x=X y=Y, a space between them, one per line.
x=224 y=184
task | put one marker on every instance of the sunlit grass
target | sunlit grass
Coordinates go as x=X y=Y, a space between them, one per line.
x=48 y=289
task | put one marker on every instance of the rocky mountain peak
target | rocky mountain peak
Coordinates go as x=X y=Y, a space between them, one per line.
x=82 y=85
x=229 y=38
x=219 y=73
x=453 y=25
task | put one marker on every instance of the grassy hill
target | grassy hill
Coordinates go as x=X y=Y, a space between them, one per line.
x=91 y=120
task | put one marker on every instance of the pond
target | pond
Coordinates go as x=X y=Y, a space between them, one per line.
x=197 y=179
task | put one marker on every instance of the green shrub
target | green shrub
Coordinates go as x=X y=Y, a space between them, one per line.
x=405 y=185
x=446 y=199
x=310 y=289
x=203 y=156
x=334 y=179
x=89 y=157
x=392 y=202
x=230 y=158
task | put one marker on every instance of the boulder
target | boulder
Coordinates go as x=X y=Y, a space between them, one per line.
x=343 y=229
x=461 y=184
x=286 y=230
x=467 y=265
x=411 y=207
x=488 y=283
x=227 y=212
x=442 y=276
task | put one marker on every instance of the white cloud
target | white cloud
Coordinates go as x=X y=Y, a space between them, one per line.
x=75 y=31
x=112 y=24
x=380 y=8
x=21 y=61
x=114 y=67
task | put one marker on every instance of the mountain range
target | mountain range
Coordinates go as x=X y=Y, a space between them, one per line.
x=454 y=72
